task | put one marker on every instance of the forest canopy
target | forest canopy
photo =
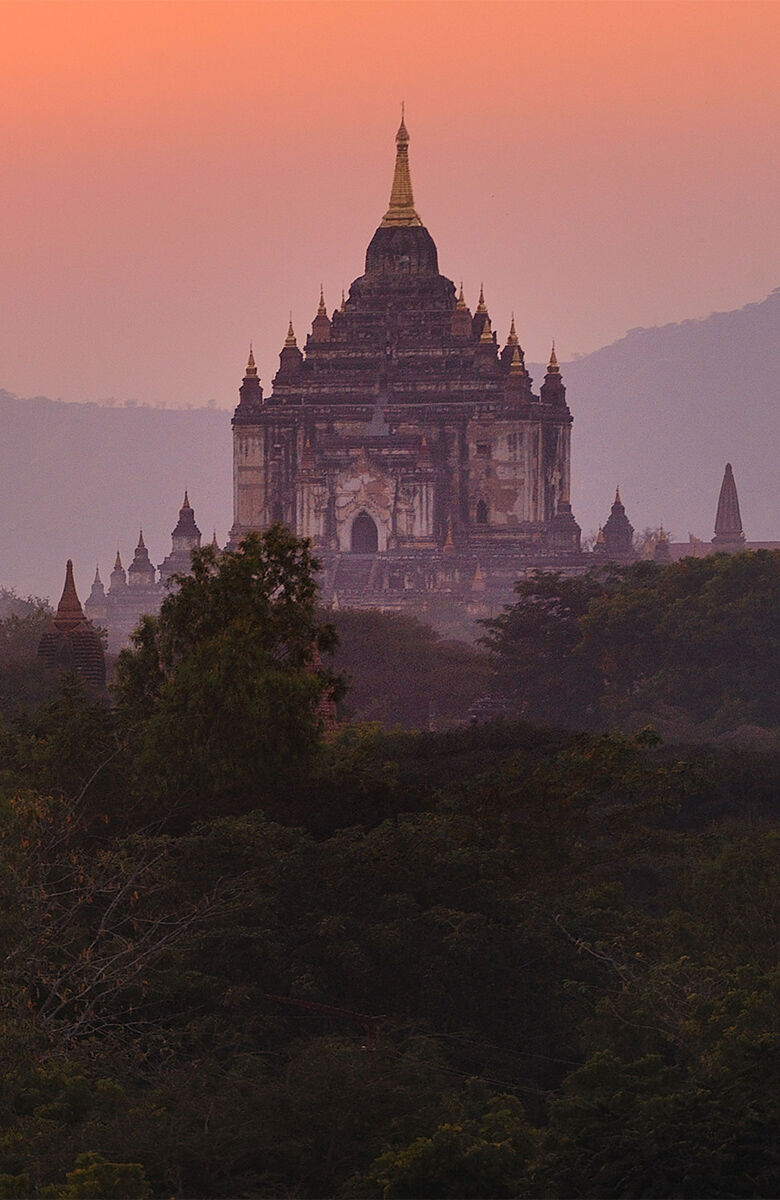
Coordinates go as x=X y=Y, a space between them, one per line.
x=246 y=954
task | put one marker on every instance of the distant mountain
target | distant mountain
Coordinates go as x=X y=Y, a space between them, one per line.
x=661 y=411
x=79 y=480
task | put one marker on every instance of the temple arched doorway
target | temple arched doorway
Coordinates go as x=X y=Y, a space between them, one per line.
x=365 y=537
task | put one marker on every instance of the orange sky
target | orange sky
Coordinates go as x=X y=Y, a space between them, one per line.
x=178 y=176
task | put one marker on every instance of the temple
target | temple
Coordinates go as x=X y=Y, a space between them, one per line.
x=405 y=441
x=141 y=589
x=70 y=642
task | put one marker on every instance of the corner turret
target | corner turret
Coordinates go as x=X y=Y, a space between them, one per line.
x=250 y=393
x=320 y=326
x=552 y=390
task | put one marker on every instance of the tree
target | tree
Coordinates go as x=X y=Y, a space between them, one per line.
x=25 y=682
x=697 y=641
x=221 y=693
x=701 y=636
x=403 y=673
x=535 y=643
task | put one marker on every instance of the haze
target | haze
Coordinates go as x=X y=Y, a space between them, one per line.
x=179 y=177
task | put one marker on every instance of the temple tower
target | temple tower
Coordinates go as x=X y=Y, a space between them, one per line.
x=184 y=539
x=70 y=642
x=729 y=536
x=618 y=533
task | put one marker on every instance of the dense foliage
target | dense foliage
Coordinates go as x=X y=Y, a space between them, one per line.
x=24 y=681
x=401 y=672
x=696 y=642
x=495 y=961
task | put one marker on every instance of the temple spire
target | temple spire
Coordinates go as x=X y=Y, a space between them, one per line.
x=69 y=609
x=251 y=369
x=322 y=310
x=401 y=210
x=290 y=339
x=552 y=366
x=481 y=306
x=728 y=522
x=512 y=338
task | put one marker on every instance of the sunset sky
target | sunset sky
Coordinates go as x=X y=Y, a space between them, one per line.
x=179 y=176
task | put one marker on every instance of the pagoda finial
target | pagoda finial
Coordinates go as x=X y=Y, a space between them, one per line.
x=512 y=338
x=186 y=503
x=552 y=366
x=322 y=310
x=290 y=339
x=481 y=306
x=516 y=365
x=401 y=210
x=118 y=562
x=617 y=495
x=343 y=301
x=97 y=575
x=141 y=545
x=461 y=301
x=487 y=332
x=251 y=369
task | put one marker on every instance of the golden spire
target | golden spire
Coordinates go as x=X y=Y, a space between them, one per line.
x=481 y=307
x=512 y=339
x=322 y=310
x=251 y=369
x=461 y=301
x=343 y=301
x=516 y=365
x=552 y=366
x=290 y=339
x=617 y=495
x=401 y=210
x=487 y=333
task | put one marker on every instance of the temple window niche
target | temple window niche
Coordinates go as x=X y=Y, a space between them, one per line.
x=365 y=537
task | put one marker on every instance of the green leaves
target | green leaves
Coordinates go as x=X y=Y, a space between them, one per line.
x=220 y=694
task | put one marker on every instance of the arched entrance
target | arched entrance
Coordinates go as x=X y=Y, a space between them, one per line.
x=365 y=539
